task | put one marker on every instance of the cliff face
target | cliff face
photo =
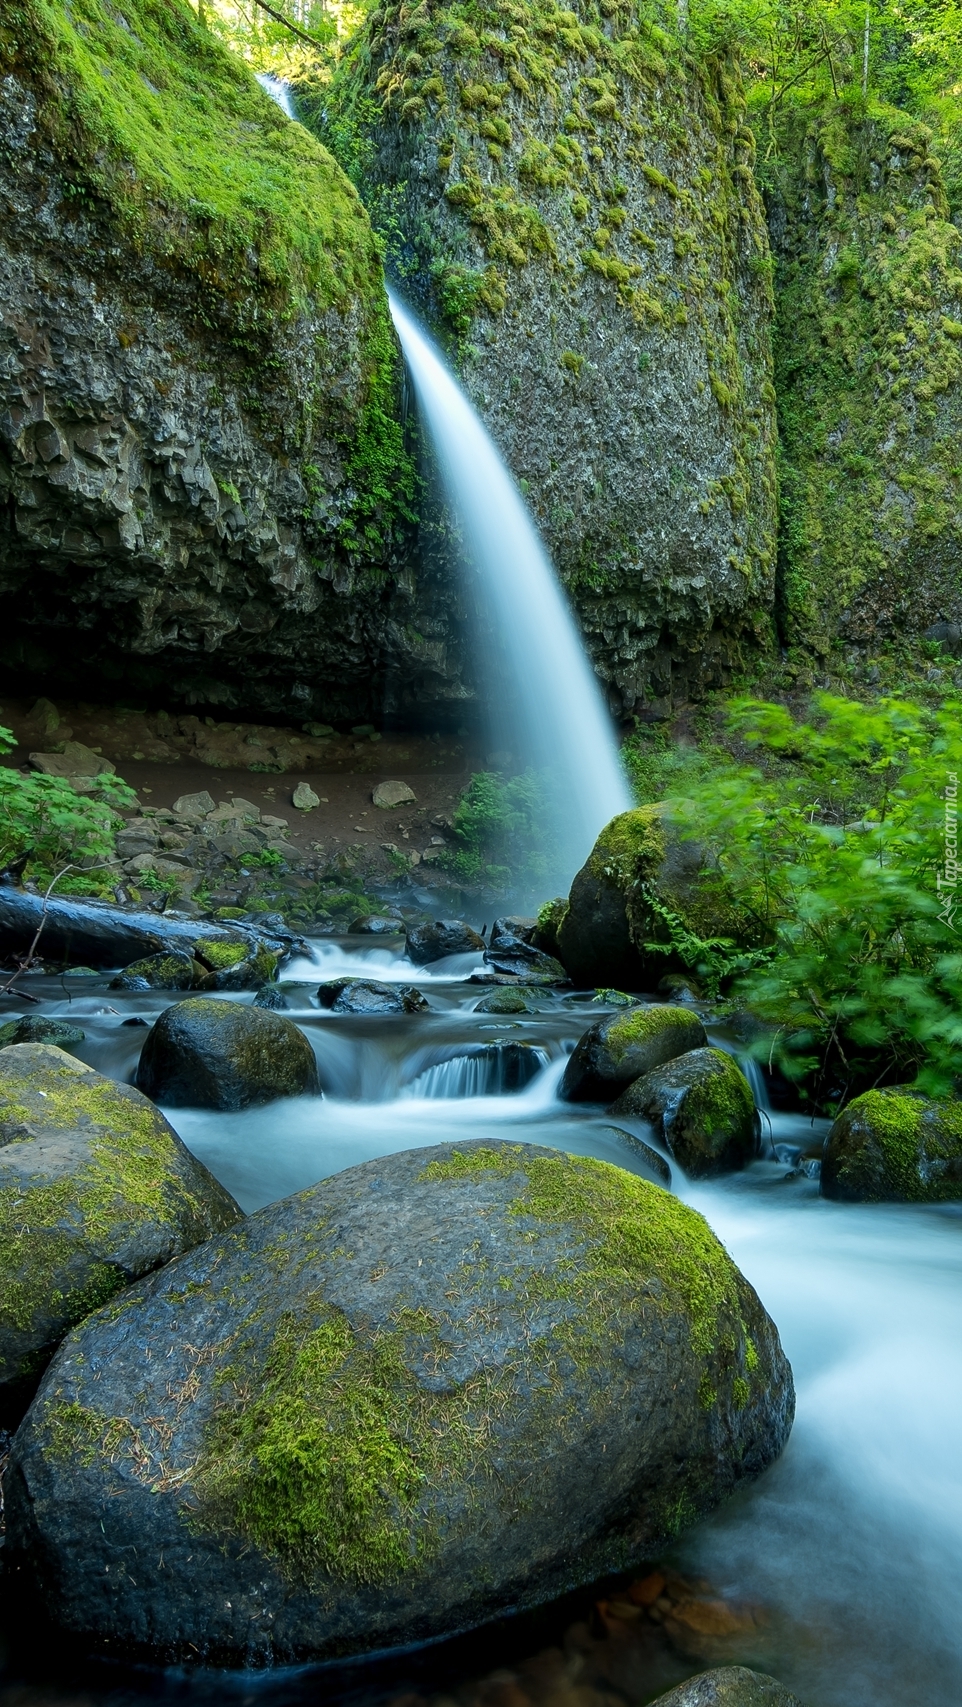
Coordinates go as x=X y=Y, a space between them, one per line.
x=573 y=205
x=204 y=492
x=869 y=379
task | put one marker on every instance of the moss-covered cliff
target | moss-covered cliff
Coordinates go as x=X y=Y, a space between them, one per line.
x=571 y=200
x=868 y=358
x=202 y=471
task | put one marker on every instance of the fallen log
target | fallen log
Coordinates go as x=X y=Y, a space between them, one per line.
x=101 y=934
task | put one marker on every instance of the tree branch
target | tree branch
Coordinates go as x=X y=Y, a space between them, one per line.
x=279 y=18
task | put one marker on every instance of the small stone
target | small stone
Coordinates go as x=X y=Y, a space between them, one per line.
x=317 y=730
x=194 y=805
x=304 y=797
x=247 y=809
x=76 y=760
x=271 y=823
x=389 y=794
x=33 y=1028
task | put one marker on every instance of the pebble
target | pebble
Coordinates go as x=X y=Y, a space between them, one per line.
x=304 y=797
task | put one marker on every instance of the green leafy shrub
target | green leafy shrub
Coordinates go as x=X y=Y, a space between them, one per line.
x=835 y=843
x=500 y=824
x=44 y=817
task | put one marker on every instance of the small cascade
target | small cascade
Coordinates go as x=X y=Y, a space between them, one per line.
x=492 y=1069
x=278 y=91
x=552 y=717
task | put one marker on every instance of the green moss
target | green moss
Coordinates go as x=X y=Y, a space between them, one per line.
x=633 y=1232
x=50 y=1232
x=166 y=133
x=720 y=1102
x=639 y=1025
x=219 y=955
x=868 y=372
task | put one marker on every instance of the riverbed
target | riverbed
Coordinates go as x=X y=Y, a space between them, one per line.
x=843 y=1562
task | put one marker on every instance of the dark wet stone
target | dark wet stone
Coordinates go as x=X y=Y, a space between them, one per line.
x=655 y=1166
x=205 y=1053
x=420 y=1394
x=376 y=924
x=367 y=996
x=895 y=1146
x=445 y=936
x=729 y=1686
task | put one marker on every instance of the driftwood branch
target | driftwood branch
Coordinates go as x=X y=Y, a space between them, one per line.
x=31 y=951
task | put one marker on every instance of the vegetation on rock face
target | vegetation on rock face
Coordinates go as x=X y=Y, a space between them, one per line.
x=48 y=825
x=163 y=131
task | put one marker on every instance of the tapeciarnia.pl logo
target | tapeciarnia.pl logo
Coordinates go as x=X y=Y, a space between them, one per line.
x=946 y=880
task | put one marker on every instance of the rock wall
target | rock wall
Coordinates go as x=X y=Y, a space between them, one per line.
x=571 y=202
x=204 y=490
x=869 y=380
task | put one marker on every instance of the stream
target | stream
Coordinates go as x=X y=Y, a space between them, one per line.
x=849 y=1549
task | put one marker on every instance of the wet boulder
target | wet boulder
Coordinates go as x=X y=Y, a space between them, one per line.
x=641 y=880
x=376 y=924
x=507 y=999
x=374 y=1367
x=172 y=971
x=619 y=1049
x=645 y=1159
x=513 y=950
x=210 y=1053
x=895 y=1146
x=367 y=996
x=35 y=1028
x=445 y=936
x=235 y=965
x=96 y=1189
x=701 y=1107
x=729 y=1686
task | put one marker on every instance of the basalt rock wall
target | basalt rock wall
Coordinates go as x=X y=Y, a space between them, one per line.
x=571 y=202
x=204 y=491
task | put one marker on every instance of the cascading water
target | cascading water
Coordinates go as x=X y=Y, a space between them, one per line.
x=551 y=715
x=561 y=728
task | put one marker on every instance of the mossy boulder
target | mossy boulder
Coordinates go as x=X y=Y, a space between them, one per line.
x=729 y=1686
x=210 y=1053
x=701 y=1106
x=235 y=966
x=510 y=999
x=641 y=884
x=172 y=971
x=440 y=1385
x=36 y=1028
x=619 y=1049
x=96 y=1189
x=895 y=1146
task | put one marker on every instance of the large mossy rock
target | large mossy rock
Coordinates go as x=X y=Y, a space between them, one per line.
x=96 y=1189
x=438 y=1386
x=894 y=1146
x=641 y=881
x=202 y=466
x=210 y=1053
x=701 y=1106
x=868 y=364
x=617 y=1050
x=569 y=197
x=729 y=1686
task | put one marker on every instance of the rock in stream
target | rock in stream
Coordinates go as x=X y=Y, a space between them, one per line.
x=446 y=1383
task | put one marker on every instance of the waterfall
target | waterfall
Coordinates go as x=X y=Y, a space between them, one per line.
x=278 y=91
x=543 y=698
x=560 y=725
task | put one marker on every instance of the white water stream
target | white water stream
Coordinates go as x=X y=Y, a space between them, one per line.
x=554 y=720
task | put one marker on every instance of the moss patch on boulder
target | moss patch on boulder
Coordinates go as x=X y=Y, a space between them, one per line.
x=95 y=1189
x=376 y=1369
x=895 y=1146
x=701 y=1106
